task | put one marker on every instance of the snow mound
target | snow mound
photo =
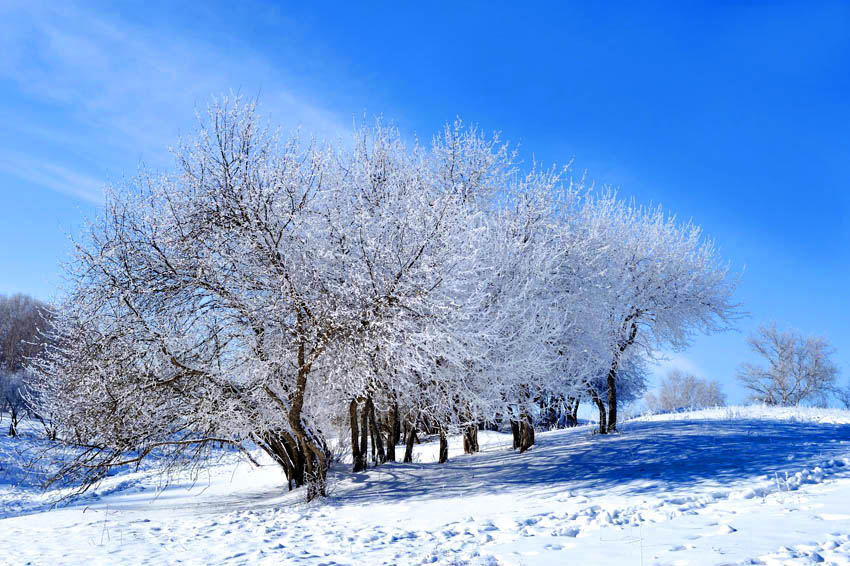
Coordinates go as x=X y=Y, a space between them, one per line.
x=756 y=412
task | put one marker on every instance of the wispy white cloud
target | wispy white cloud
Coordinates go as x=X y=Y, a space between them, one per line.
x=52 y=176
x=115 y=92
x=667 y=361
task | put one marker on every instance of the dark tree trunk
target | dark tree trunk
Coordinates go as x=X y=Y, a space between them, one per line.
x=603 y=421
x=395 y=424
x=444 y=447
x=526 y=433
x=393 y=432
x=390 y=455
x=515 y=433
x=470 y=439
x=314 y=452
x=308 y=454
x=612 y=372
x=364 y=436
x=612 y=399
x=572 y=411
x=358 y=457
x=603 y=425
x=283 y=449
x=377 y=440
x=408 y=447
x=13 y=426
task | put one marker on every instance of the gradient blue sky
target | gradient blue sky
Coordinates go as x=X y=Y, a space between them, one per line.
x=735 y=116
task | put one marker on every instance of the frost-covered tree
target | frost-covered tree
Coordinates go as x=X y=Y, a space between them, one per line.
x=660 y=282
x=526 y=312
x=798 y=369
x=12 y=399
x=265 y=286
x=679 y=390
x=267 y=290
x=23 y=321
x=222 y=303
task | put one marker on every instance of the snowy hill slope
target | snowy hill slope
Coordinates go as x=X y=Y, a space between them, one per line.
x=727 y=486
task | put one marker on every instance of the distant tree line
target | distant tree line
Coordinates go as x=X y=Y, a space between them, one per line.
x=679 y=390
x=794 y=370
x=23 y=322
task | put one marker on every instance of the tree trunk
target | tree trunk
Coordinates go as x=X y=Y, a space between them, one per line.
x=553 y=412
x=13 y=426
x=395 y=424
x=612 y=372
x=392 y=432
x=612 y=399
x=358 y=457
x=377 y=440
x=308 y=453
x=444 y=447
x=574 y=413
x=470 y=439
x=364 y=436
x=390 y=440
x=603 y=424
x=515 y=433
x=603 y=421
x=568 y=412
x=408 y=448
x=526 y=433
x=283 y=450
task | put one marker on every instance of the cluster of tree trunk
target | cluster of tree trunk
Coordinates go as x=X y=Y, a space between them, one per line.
x=371 y=434
x=304 y=462
x=470 y=439
x=558 y=412
x=384 y=434
x=571 y=415
x=522 y=430
x=301 y=452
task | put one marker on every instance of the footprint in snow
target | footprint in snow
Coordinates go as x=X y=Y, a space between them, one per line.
x=566 y=532
x=487 y=526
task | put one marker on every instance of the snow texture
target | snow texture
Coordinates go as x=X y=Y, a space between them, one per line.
x=743 y=485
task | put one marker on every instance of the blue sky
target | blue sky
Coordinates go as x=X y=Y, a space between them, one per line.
x=735 y=116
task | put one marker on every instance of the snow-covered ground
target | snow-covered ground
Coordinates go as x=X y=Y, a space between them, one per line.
x=725 y=486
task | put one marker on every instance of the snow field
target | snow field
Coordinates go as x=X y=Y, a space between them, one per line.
x=702 y=489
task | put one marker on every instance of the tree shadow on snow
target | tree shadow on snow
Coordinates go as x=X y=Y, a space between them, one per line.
x=645 y=457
